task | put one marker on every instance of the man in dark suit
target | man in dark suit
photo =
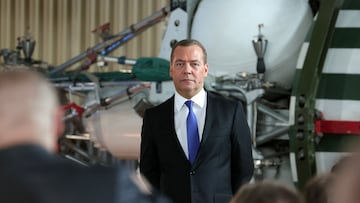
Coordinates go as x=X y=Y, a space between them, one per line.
x=30 y=121
x=211 y=167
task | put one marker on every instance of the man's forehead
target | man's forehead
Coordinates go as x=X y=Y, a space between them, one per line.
x=184 y=60
x=192 y=55
x=194 y=48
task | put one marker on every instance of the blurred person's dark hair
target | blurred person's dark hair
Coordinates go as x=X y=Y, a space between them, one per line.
x=267 y=191
x=318 y=188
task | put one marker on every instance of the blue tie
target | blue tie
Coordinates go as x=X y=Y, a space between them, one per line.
x=192 y=133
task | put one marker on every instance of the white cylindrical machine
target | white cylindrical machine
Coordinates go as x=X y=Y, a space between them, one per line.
x=227 y=28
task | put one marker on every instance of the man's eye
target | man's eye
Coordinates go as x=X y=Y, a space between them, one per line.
x=179 y=64
x=196 y=64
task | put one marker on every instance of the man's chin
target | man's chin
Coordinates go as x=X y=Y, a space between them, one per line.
x=187 y=88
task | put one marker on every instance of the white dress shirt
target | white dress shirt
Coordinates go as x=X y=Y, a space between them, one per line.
x=181 y=112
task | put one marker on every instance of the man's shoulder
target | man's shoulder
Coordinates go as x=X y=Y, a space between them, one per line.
x=167 y=104
x=217 y=97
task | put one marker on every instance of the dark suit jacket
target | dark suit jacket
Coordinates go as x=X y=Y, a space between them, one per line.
x=29 y=174
x=224 y=160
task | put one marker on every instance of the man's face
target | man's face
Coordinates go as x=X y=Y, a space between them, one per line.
x=188 y=70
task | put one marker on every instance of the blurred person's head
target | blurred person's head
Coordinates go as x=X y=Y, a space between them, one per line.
x=29 y=109
x=340 y=163
x=319 y=188
x=267 y=191
x=188 y=67
x=347 y=179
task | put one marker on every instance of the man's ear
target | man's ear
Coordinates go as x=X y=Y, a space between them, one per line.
x=206 y=69
x=170 y=71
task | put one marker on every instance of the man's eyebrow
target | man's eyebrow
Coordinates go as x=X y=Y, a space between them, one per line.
x=181 y=60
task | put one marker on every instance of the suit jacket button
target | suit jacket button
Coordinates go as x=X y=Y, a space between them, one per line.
x=192 y=172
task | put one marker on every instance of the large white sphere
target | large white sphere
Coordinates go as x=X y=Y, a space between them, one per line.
x=227 y=28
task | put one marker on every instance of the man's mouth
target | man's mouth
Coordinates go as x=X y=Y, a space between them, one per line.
x=187 y=80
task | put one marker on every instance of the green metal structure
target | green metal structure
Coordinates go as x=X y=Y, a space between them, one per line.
x=302 y=133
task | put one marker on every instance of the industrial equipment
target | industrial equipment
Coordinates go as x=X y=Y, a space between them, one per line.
x=291 y=63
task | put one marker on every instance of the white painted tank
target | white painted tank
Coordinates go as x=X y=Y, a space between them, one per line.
x=117 y=128
x=227 y=28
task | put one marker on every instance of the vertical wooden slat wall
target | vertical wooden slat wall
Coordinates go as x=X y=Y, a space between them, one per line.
x=62 y=28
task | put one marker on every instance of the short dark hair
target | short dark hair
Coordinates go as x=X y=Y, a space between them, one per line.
x=317 y=188
x=186 y=43
x=267 y=191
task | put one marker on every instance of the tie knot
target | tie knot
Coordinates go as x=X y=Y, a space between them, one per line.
x=189 y=104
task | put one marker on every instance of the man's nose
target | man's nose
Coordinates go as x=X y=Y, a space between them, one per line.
x=187 y=68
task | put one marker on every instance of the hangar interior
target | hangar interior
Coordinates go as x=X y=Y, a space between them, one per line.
x=293 y=64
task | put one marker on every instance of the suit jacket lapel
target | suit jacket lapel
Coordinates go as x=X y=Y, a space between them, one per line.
x=209 y=118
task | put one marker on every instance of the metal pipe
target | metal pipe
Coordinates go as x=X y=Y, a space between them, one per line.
x=250 y=120
x=266 y=110
x=251 y=114
x=117 y=39
x=75 y=160
x=77 y=150
x=229 y=88
x=115 y=98
x=119 y=60
x=249 y=96
x=137 y=28
x=126 y=93
x=88 y=86
x=265 y=137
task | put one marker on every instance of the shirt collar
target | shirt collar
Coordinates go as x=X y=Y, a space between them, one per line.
x=198 y=99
